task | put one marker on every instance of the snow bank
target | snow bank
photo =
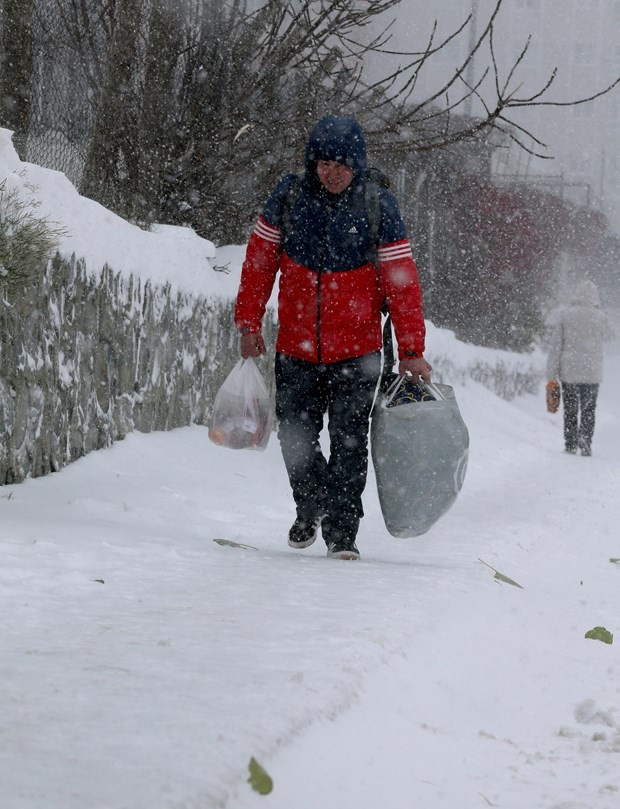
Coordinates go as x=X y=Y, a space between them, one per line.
x=163 y=255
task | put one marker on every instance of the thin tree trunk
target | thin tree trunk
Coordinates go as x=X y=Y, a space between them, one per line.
x=111 y=153
x=16 y=69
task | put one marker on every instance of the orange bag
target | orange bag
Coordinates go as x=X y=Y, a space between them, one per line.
x=553 y=395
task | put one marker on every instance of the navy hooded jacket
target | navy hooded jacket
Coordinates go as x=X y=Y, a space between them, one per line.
x=331 y=284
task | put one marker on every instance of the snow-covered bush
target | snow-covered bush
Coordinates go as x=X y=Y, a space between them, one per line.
x=26 y=240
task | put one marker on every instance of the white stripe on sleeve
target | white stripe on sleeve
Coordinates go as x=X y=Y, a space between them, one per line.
x=396 y=251
x=267 y=232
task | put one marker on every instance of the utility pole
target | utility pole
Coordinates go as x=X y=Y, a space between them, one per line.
x=473 y=36
x=601 y=192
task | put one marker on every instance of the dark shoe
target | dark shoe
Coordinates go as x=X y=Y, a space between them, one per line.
x=584 y=446
x=571 y=450
x=343 y=550
x=303 y=532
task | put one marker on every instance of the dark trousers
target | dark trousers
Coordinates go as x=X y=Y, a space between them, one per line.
x=305 y=392
x=579 y=408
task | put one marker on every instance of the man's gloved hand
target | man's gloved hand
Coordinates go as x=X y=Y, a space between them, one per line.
x=252 y=344
x=417 y=367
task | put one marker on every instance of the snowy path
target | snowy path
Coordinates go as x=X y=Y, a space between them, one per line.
x=496 y=700
x=142 y=664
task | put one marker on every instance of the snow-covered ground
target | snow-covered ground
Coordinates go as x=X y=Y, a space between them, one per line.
x=143 y=664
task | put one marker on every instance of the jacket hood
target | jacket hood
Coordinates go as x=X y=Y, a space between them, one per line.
x=340 y=139
x=586 y=294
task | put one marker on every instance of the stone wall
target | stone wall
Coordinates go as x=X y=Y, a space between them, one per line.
x=86 y=359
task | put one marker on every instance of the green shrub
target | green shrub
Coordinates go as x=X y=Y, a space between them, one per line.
x=26 y=240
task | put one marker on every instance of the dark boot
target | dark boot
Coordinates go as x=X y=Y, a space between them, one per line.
x=303 y=532
x=342 y=550
x=340 y=538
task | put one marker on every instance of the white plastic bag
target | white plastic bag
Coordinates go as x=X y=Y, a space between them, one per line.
x=242 y=413
x=420 y=447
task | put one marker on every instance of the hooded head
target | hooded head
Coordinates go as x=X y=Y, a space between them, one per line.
x=339 y=139
x=586 y=294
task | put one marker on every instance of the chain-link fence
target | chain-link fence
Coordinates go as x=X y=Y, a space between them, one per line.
x=61 y=110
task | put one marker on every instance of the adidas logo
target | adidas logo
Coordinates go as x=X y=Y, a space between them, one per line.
x=353 y=229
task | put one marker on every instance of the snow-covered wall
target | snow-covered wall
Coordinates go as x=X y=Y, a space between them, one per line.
x=88 y=353
x=85 y=359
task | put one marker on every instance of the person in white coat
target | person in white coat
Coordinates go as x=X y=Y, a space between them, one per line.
x=576 y=359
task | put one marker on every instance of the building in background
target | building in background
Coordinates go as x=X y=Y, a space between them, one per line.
x=581 y=40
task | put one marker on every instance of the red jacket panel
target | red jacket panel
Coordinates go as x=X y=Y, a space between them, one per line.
x=331 y=316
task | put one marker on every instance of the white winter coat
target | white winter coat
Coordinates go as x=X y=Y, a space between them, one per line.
x=576 y=350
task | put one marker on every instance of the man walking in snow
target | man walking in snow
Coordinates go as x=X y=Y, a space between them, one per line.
x=336 y=269
x=576 y=359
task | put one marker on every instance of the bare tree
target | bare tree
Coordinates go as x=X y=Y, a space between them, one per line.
x=109 y=173
x=200 y=104
x=403 y=122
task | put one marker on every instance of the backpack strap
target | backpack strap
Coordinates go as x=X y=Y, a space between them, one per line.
x=375 y=181
x=288 y=203
x=372 y=201
x=388 y=352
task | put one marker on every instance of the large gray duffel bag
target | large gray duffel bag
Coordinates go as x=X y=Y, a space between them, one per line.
x=420 y=446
